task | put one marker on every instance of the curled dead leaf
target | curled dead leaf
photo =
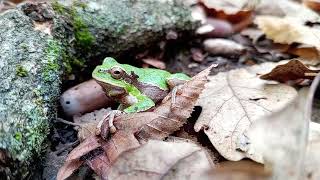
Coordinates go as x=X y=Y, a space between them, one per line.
x=293 y=70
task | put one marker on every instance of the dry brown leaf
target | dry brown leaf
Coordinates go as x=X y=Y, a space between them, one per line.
x=286 y=148
x=288 y=30
x=293 y=70
x=307 y=53
x=161 y=160
x=232 y=101
x=154 y=62
x=312 y=4
x=230 y=7
x=287 y=8
x=172 y=116
x=89 y=122
x=68 y=168
x=84 y=148
x=239 y=170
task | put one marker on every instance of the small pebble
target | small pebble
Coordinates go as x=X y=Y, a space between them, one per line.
x=223 y=47
x=215 y=28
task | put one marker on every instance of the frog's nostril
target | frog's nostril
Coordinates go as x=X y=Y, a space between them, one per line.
x=67 y=102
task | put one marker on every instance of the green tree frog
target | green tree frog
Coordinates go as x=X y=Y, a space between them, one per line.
x=136 y=89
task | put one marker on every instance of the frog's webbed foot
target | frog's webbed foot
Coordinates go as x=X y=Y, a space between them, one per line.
x=110 y=118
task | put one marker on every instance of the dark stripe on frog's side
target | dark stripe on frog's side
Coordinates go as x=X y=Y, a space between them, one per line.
x=153 y=92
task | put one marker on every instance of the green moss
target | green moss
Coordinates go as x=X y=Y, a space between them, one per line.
x=21 y=71
x=53 y=52
x=80 y=4
x=83 y=36
x=69 y=62
x=18 y=136
x=59 y=8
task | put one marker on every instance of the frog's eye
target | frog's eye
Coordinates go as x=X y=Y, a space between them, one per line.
x=116 y=72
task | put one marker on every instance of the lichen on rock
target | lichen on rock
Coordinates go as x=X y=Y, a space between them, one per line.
x=30 y=80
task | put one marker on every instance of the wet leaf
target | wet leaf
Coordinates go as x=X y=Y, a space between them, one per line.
x=232 y=101
x=161 y=160
x=293 y=70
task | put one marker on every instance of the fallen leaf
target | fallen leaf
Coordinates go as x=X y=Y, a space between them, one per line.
x=161 y=160
x=170 y=117
x=88 y=123
x=230 y=7
x=312 y=4
x=253 y=34
x=232 y=101
x=239 y=170
x=68 y=169
x=284 y=148
x=293 y=70
x=84 y=148
x=312 y=161
x=154 y=62
x=288 y=30
x=287 y=8
x=307 y=53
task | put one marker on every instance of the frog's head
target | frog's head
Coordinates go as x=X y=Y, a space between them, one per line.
x=110 y=74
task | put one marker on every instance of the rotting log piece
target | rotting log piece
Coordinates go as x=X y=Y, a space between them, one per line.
x=41 y=42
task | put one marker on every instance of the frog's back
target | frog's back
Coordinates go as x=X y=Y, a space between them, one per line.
x=155 y=77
